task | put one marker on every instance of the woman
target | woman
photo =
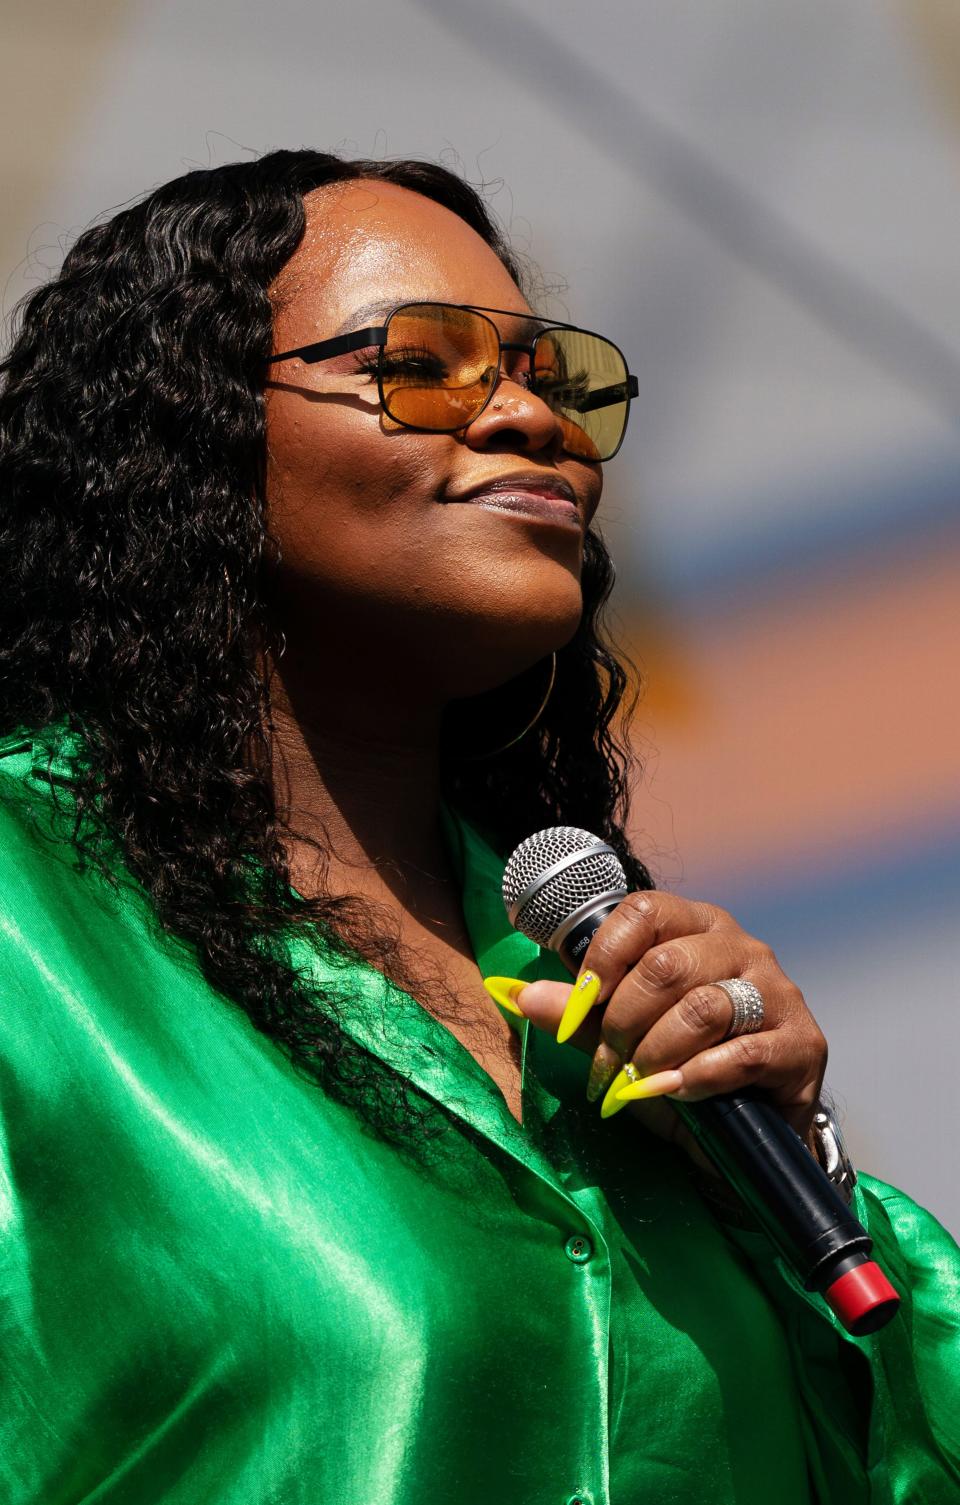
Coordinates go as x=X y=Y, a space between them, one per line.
x=295 y=1211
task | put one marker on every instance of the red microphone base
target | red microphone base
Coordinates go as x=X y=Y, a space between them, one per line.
x=863 y=1298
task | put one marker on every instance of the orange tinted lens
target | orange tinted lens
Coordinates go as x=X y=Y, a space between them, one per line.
x=584 y=379
x=438 y=365
x=576 y=440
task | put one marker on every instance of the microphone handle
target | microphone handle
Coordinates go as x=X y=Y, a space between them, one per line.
x=785 y=1188
x=780 y=1182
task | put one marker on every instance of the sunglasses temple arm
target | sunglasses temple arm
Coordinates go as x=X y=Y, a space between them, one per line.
x=341 y=345
x=621 y=391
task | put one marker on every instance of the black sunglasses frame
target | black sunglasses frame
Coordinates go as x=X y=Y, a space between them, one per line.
x=360 y=339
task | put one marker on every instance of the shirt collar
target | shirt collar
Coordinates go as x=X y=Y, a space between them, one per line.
x=394 y=1027
x=382 y=1018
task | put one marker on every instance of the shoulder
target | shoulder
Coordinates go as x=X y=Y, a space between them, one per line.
x=39 y=858
x=67 y=928
x=36 y=821
x=910 y=1234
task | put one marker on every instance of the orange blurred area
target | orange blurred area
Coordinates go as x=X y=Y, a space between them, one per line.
x=825 y=719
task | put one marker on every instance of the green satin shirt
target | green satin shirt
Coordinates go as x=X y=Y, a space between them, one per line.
x=217 y=1287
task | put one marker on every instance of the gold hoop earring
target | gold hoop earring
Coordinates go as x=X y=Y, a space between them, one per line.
x=492 y=753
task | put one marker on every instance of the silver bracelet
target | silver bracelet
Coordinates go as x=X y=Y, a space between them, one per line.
x=831 y=1153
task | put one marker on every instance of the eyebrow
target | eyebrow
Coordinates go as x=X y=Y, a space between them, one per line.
x=377 y=311
x=360 y=318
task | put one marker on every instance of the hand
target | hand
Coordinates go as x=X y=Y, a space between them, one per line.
x=656 y=957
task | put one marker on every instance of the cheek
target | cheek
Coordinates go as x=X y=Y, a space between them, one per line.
x=364 y=539
x=338 y=489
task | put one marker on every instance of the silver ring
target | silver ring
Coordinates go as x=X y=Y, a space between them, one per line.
x=747 y=1006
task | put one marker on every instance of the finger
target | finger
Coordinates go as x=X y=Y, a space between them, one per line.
x=788 y=1069
x=543 y=1003
x=660 y=1084
x=639 y=922
x=643 y=920
x=698 y=1019
x=658 y=980
x=657 y=1115
x=583 y=996
x=665 y=975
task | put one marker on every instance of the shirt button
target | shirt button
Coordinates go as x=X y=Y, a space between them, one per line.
x=578 y=1250
x=578 y=1499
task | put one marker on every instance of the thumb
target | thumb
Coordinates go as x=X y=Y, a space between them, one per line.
x=543 y=1003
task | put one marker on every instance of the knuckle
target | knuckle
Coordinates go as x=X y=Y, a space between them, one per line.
x=815 y=1043
x=640 y=903
x=808 y=1096
x=664 y=965
x=750 y=1051
x=627 y=930
x=794 y=1001
x=800 y=1051
x=700 y=1010
x=712 y=917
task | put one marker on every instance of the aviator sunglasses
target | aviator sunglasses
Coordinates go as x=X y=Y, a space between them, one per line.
x=438 y=364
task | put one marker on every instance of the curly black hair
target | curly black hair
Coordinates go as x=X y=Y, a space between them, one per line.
x=136 y=538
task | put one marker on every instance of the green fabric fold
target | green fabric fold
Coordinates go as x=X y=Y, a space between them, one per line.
x=218 y=1285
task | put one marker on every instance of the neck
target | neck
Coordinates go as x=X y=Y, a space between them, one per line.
x=360 y=775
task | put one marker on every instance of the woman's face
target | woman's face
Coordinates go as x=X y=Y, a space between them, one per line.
x=376 y=549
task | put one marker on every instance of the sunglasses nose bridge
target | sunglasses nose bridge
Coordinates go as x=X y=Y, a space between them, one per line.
x=518 y=347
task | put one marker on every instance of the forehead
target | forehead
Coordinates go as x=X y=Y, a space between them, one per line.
x=369 y=243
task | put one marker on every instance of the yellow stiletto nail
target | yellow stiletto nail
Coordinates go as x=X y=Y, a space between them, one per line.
x=601 y=1075
x=610 y=1105
x=583 y=995
x=504 y=990
x=650 y=1086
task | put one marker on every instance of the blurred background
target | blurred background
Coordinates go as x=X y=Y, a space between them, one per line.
x=761 y=203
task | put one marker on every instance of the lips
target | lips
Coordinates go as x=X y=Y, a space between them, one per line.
x=529 y=494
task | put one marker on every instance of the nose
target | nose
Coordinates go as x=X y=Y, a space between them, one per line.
x=514 y=418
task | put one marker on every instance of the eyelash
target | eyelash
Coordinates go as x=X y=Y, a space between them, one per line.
x=367 y=363
x=368 y=360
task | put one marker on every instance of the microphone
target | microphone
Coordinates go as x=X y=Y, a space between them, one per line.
x=558 y=887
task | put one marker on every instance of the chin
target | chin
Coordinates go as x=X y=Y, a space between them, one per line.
x=489 y=662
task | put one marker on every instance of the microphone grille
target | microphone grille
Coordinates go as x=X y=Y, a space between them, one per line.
x=550 y=904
